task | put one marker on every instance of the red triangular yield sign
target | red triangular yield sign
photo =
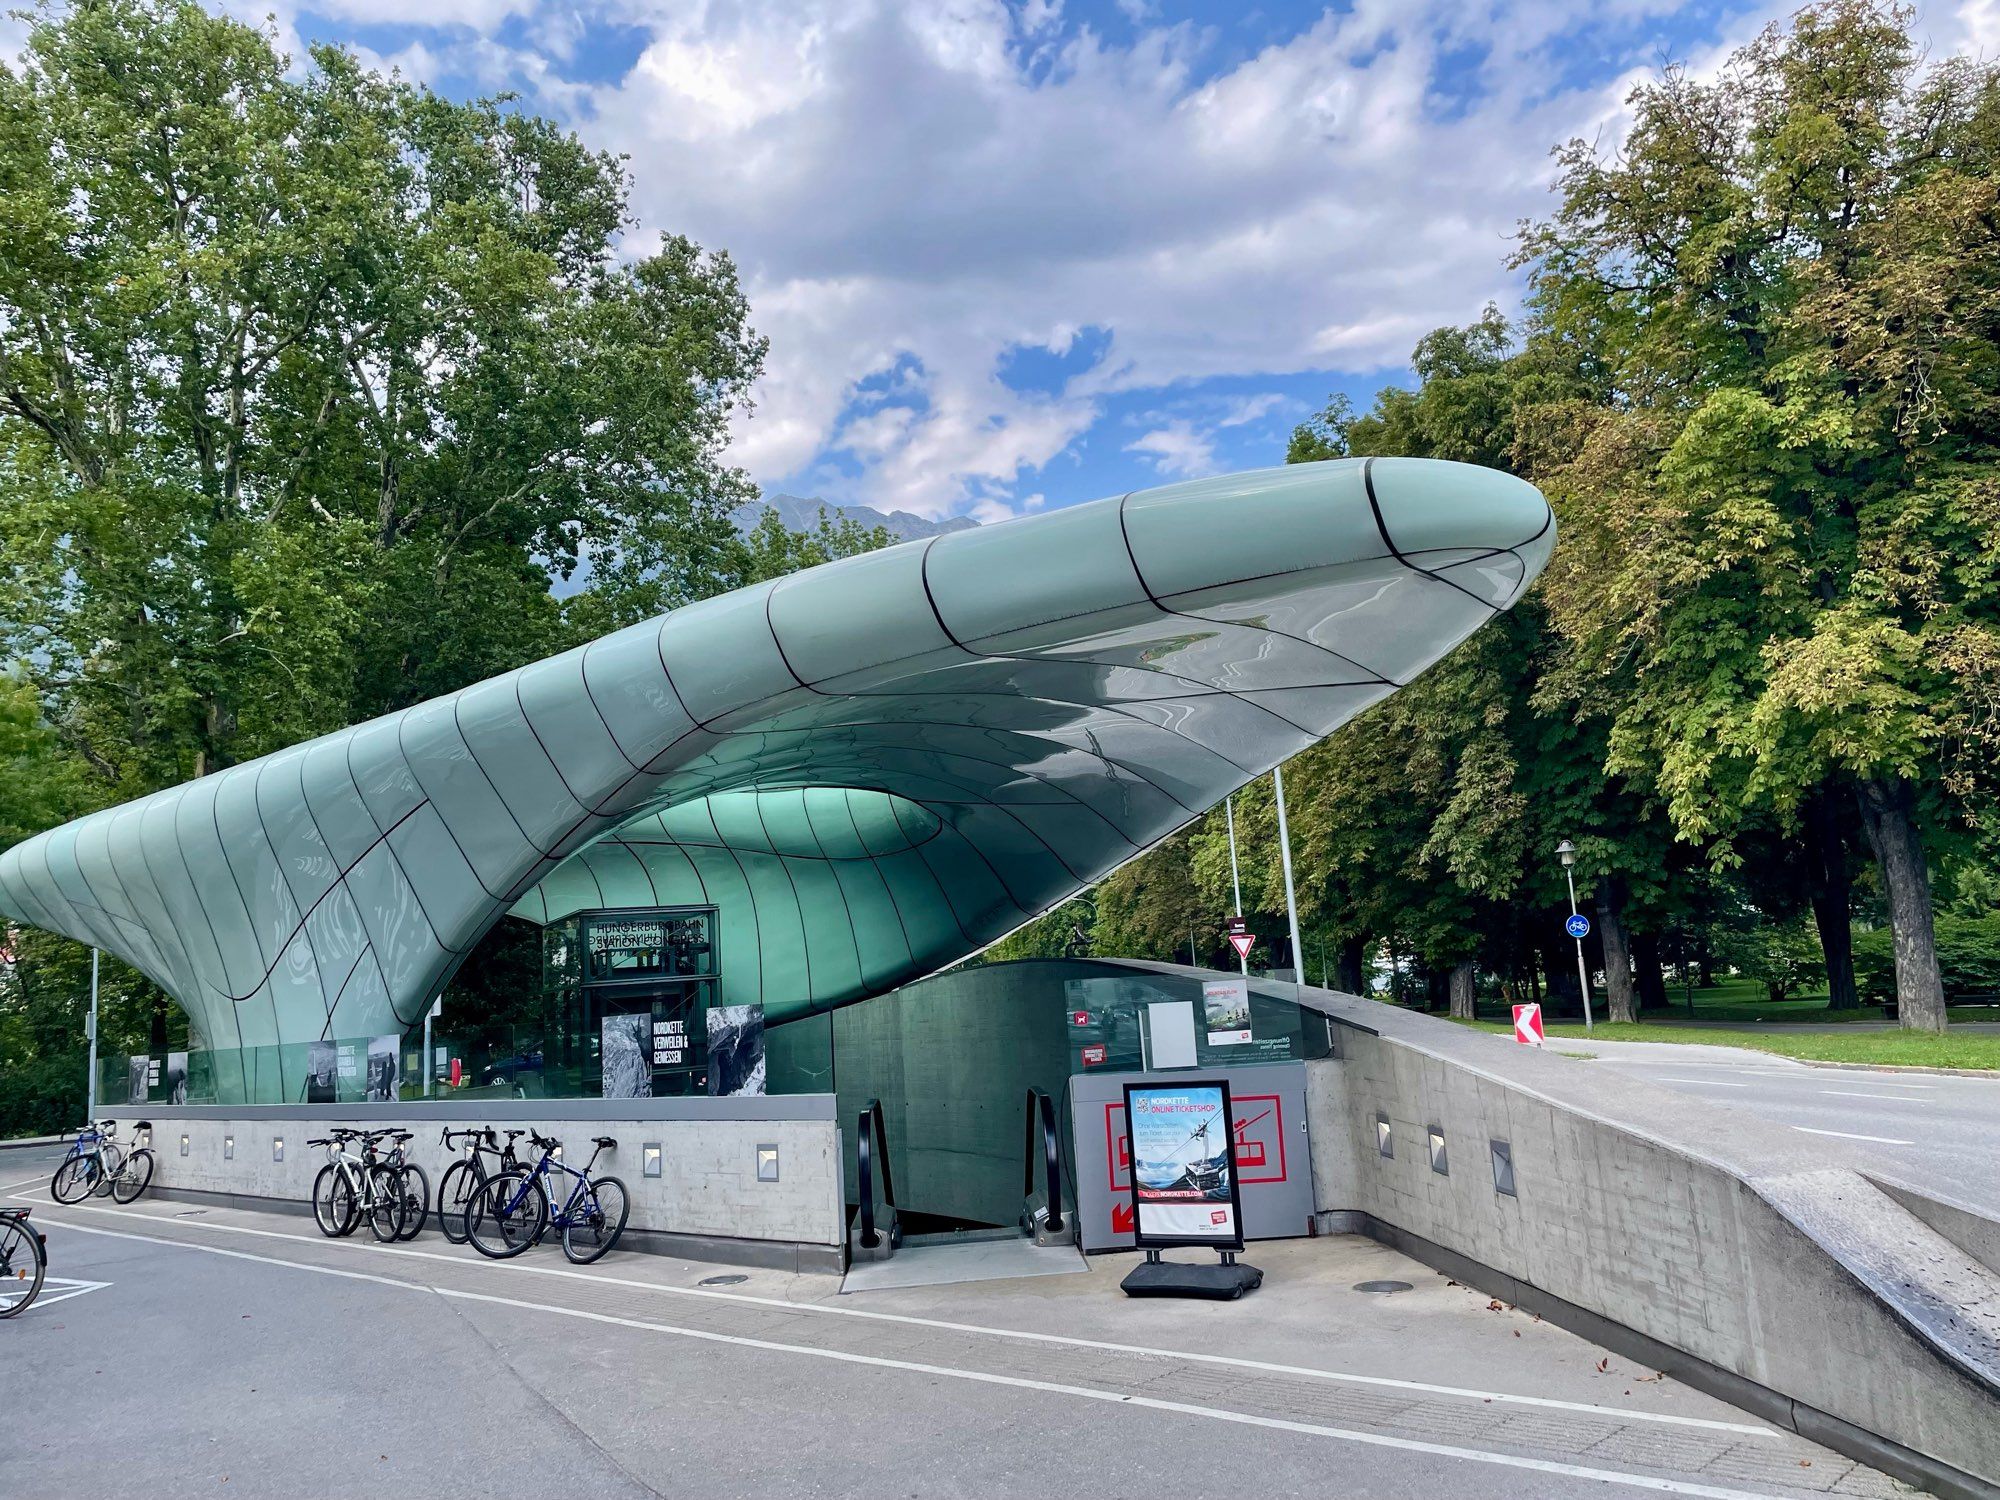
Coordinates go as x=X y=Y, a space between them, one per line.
x=1242 y=942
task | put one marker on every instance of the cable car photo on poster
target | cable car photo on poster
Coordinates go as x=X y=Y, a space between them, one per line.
x=1184 y=1188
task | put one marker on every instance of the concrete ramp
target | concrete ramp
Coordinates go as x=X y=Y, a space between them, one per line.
x=971 y=1260
x=1759 y=1263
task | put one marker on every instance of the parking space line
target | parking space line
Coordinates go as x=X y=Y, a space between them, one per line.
x=1018 y=1335
x=1848 y=1135
x=986 y=1377
x=1710 y=1083
x=1858 y=1094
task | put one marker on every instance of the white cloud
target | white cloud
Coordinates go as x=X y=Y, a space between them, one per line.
x=1177 y=449
x=1250 y=408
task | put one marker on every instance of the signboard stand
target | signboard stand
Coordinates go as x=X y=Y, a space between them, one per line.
x=1185 y=1190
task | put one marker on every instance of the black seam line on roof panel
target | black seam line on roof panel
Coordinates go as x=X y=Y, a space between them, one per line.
x=78 y=918
x=873 y=862
x=978 y=799
x=541 y=745
x=639 y=838
x=222 y=853
x=554 y=770
x=90 y=825
x=930 y=873
x=1039 y=737
x=339 y=883
x=791 y=884
x=367 y=951
x=92 y=907
x=257 y=931
x=772 y=630
x=1286 y=635
x=301 y=909
x=1368 y=486
x=173 y=952
x=590 y=697
x=173 y=807
x=805 y=811
x=458 y=728
x=1069 y=798
x=749 y=891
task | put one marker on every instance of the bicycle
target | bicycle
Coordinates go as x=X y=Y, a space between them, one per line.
x=416 y=1185
x=512 y=1212
x=97 y=1165
x=24 y=1261
x=464 y=1180
x=351 y=1187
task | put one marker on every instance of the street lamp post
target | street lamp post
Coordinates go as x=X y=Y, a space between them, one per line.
x=1291 y=901
x=1566 y=852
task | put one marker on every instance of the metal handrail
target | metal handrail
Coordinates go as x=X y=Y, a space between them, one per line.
x=1051 y=1154
x=871 y=1140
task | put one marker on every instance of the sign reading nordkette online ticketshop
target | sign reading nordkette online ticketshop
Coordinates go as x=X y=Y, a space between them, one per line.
x=1184 y=1188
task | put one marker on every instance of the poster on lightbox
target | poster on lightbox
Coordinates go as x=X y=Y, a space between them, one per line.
x=628 y=1072
x=1225 y=1004
x=321 y=1065
x=383 y=1054
x=1184 y=1189
x=735 y=1050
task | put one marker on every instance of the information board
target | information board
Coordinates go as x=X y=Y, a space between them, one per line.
x=1184 y=1188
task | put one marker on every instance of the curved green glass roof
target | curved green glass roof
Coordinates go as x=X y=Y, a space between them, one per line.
x=871 y=768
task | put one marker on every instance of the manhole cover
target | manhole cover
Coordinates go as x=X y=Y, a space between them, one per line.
x=1381 y=1286
x=722 y=1281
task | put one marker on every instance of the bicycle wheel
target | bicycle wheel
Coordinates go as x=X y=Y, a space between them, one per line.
x=508 y=1215
x=333 y=1202
x=138 y=1173
x=416 y=1201
x=108 y=1169
x=455 y=1194
x=21 y=1268
x=72 y=1182
x=597 y=1222
x=387 y=1211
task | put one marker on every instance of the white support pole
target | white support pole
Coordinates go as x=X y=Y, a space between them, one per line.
x=1582 y=972
x=1291 y=900
x=90 y=1086
x=1235 y=880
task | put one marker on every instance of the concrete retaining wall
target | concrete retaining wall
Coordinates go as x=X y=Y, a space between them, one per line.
x=1691 y=1235
x=706 y=1204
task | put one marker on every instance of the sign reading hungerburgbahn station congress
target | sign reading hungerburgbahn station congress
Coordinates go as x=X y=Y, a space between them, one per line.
x=868 y=769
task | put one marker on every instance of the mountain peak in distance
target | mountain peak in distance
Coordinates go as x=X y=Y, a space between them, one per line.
x=796 y=513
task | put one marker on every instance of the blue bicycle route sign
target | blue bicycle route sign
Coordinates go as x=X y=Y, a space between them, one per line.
x=1578 y=926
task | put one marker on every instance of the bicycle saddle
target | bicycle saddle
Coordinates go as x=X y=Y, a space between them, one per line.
x=512 y=1133
x=607 y=1142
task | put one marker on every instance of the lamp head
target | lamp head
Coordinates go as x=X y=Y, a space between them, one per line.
x=1566 y=852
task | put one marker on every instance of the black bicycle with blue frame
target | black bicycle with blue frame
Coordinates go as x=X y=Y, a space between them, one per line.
x=512 y=1210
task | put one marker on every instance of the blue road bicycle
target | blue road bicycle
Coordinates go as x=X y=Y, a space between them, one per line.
x=511 y=1211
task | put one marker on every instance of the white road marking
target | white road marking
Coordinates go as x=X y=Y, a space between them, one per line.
x=984 y=1377
x=1708 y=1083
x=1845 y=1135
x=1019 y=1335
x=1858 y=1094
x=70 y=1287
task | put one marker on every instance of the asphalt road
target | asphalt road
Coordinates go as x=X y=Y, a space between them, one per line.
x=228 y=1353
x=1932 y=1130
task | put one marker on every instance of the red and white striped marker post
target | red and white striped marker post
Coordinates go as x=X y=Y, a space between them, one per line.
x=1528 y=1025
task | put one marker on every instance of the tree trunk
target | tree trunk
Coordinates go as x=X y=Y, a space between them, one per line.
x=1620 y=999
x=1888 y=816
x=1827 y=874
x=1704 y=961
x=1646 y=966
x=1353 y=954
x=1464 y=1004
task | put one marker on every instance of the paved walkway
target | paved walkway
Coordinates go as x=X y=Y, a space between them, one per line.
x=244 y=1345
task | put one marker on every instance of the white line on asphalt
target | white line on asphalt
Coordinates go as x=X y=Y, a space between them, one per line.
x=1709 y=1083
x=985 y=1377
x=69 y=1289
x=1845 y=1135
x=1858 y=1094
x=1019 y=1335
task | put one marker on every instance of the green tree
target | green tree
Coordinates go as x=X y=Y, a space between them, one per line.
x=1781 y=522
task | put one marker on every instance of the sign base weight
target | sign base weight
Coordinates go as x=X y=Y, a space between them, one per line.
x=1220 y=1282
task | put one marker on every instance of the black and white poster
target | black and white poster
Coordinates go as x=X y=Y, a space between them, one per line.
x=382 y=1064
x=735 y=1049
x=138 y=1074
x=628 y=1074
x=177 y=1078
x=322 y=1063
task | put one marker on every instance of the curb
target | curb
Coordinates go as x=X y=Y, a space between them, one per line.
x=1853 y=1067
x=24 y=1142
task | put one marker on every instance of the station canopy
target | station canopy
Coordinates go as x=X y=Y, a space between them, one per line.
x=870 y=768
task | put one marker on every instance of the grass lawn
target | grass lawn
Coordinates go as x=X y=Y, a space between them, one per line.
x=1908 y=1048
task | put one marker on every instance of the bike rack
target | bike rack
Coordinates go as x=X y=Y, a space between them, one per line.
x=1042 y=1111
x=871 y=1140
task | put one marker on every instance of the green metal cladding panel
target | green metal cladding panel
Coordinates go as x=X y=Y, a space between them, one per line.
x=872 y=768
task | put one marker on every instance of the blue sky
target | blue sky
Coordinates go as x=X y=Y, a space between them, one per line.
x=1015 y=255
